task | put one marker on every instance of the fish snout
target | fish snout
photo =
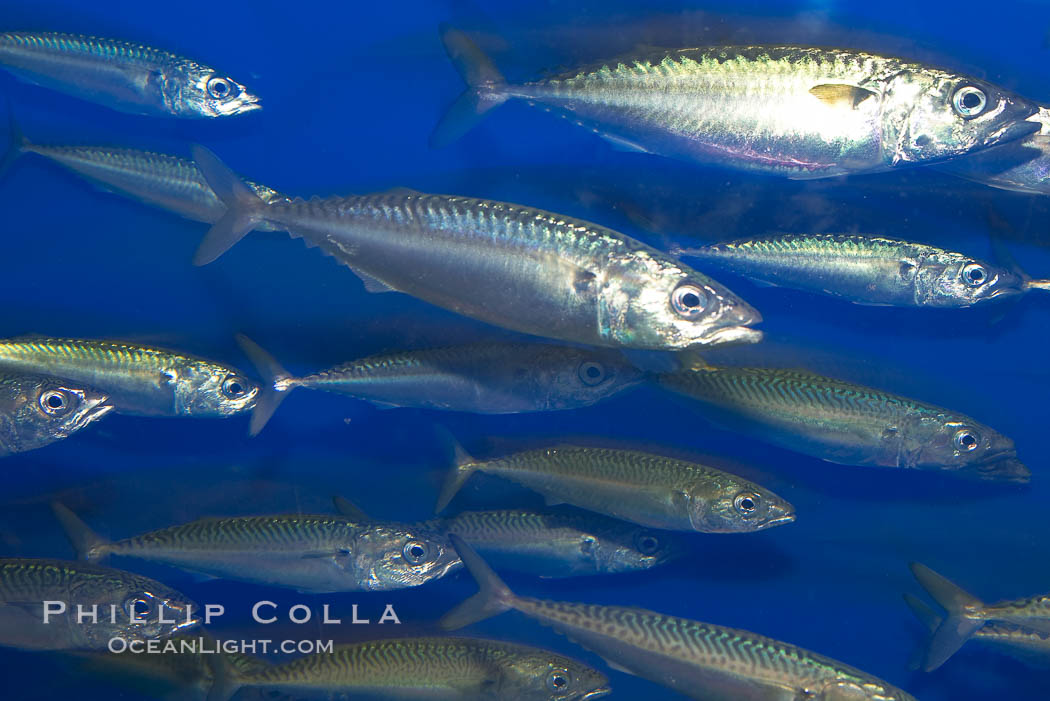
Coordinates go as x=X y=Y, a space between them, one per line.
x=779 y=514
x=1004 y=469
x=598 y=693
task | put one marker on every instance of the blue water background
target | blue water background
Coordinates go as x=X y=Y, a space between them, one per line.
x=351 y=93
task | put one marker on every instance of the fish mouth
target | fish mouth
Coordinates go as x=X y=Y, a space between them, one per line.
x=596 y=693
x=780 y=520
x=1003 y=468
x=1014 y=130
x=731 y=335
x=93 y=413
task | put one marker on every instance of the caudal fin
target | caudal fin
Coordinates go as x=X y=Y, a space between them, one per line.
x=242 y=206
x=272 y=391
x=88 y=545
x=486 y=87
x=16 y=143
x=929 y=620
x=462 y=468
x=492 y=599
x=957 y=627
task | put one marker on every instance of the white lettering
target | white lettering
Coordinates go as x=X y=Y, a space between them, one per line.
x=213 y=610
x=116 y=648
x=259 y=605
x=389 y=615
x=291 y=614
x=82 y=614
x=357 y=620
x=326 y=616
x=53 y=608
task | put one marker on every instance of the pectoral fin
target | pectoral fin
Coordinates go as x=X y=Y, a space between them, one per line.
x=840 y=94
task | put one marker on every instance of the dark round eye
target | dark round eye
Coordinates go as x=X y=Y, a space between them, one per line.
x=55 y=402
x=220 y=88
x=415 y=552
x=647 y=543
x=974 y=274
x=965 y=440
x=969 y=101
x=746 y=503
x=138 y=606
x=234 y=387
x=558 y=680
x=689 y=301
x=591 y=373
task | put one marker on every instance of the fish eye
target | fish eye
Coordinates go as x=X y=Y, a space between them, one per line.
x=138 y=606
x=689 y=301
x=969 y=101
x=591 y=373
x=220 y=88
x=234 y=387
x=974 y=274
x=746 y=502
x=55 y=402
x=966 y=440
x=415 y=552
x=558 y=680
x=647 y=543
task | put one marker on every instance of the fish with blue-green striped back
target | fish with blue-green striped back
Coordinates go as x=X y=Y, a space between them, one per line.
x=644 y=488
x=36 y=410
x=845 y=423
x=123 y=75
x=139 y=380
x=701 y=660
x=305 y=552
x=868 y=269
x=552 y=543
x=158 y=179
x=416 y=669
x=128 y=606
x=798 y=112
x=510 y=265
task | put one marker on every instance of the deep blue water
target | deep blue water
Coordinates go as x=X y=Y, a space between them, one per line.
x=351 y=93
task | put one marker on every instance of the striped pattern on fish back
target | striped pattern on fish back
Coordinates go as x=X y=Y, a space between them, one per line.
x=397 y=662
x=23 y=579
x=511 y=226
x=508 y=522
x=1035 y=606
x=95 y=353
x=765 y=389
x=114 y=49
x=253 y=532
x=604 y=463
x=172 y=172
x=819 y=246
x=410 y=362
x=692 y=642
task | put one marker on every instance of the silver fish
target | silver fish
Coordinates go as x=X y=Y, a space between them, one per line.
x=123 y=76
x=784 y=110
x=1018 y=641
x=481 y=378
x=36 y=410
x=552 y=543
x=129 y=606
x=1021 y=166
x=701 y=660
x=967 y=615
x=168 y=182
x=846 y=423
x=868 y=269
x=513 y=266
x=308 y=553
x=413 y=669
x=650 y=490
x=139 y=380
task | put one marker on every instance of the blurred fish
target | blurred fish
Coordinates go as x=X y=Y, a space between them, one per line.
x=1021 y=166
x=868 y=269
x=449 y=669
x=36 y=410
x=123 y=76
x=517 y=267
x=182 y=674
x=784 y=110
x=169 y=182
x=553 y=543
x=315 y=554
x=481 y=378
x=967 y=615
x=650 y=490
x=1017 y=641
x=139 y=380
x=700 y=660
x=25 y=586
x=846 y=423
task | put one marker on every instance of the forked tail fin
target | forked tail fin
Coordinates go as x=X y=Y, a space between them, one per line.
x=486 y=87
x=88 y=545
x=16 y=143
x=492 y=599
x=271 y=373
x=224 y=679
x=463 y=466
x=957 y=627
x=242 y=207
